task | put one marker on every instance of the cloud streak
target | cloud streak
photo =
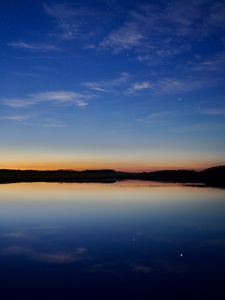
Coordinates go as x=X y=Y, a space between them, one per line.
x=17 y=118
x=57 y=97
x=214 y=111
x=36 y=47
x=106 y=86
x=165 y=30
x=70 y=20
x=125 y=38
x=138 y=87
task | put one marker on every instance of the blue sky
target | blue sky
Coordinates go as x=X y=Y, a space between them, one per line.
x=123 y=84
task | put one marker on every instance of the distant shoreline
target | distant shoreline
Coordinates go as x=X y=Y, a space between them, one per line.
x=214 y=176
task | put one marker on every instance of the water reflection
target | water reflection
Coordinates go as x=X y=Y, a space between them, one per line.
x=128 y=240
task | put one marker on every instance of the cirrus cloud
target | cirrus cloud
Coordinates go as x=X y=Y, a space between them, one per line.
x=61 y=96
x=43 y=47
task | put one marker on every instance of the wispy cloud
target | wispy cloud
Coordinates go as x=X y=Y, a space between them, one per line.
x=26 y=74
x=43 y=47
x=108 y=85
x=38 y=120
x=156 y=85
x=172 y=85
x=68 y=19
x=60 y=11
x=138 y=87
x=50 y=123
x=214 y=111
x=96 y=86
x=216 y=16
x=17 y=118
x=158 y=117
x=125 y=38
x=38 y=117
x=213 y=64
x=67 y=27
x=63 y=97
x=204 y=126
x=18 y=102
x=165 y=30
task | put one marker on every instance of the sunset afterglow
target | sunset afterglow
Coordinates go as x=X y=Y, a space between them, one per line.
x=130 y=85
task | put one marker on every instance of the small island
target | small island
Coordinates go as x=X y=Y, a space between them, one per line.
x=214 y=176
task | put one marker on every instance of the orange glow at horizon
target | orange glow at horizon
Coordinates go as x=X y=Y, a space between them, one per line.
x=120 y=160
x=127 y=166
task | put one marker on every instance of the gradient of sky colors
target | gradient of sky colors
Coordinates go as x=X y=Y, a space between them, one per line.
x=130 y=85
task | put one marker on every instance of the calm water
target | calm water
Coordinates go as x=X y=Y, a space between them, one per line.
x=129 y=240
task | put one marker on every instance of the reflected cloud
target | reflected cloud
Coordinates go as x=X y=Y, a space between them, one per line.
x=16 y=250
x=16 y=235
x=78 y=254
x=161 y=265
x=142 y=269
x=96 y=268
x=52 y=229
x=62 y=257
x=214 y=242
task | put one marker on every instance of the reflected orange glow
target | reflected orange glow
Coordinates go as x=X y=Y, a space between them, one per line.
x=87 y=193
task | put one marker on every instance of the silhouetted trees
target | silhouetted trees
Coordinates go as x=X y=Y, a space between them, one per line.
x=214 y=176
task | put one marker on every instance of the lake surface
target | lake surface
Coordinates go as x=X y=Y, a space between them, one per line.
x=127 y=240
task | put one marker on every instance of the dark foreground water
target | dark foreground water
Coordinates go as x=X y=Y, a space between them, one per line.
x=129 y=240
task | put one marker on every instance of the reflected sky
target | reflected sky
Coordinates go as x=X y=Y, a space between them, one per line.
x=137 y=238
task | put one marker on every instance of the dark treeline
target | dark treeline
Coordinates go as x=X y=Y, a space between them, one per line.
x=214 y=176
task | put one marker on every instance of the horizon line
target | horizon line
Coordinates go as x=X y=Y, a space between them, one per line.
x=155 y=169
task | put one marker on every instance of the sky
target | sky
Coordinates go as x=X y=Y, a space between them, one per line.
x=129 y=85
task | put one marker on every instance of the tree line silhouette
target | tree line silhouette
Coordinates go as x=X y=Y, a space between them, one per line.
x=214 y=176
